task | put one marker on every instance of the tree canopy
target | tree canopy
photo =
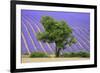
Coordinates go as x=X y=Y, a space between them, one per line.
x=57 y=32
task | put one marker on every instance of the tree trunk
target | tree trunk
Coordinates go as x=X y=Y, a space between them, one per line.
x=57 y=52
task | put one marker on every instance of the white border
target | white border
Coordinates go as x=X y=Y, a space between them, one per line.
x=20 y=65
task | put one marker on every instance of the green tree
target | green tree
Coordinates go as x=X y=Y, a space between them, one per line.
x=57 y=32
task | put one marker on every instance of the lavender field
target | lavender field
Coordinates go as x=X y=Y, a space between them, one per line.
x=30 y=26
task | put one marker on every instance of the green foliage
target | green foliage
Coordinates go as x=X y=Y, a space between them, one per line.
x=76 y=54
x=84 y=54
x=38 y=54
x=56 y=31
